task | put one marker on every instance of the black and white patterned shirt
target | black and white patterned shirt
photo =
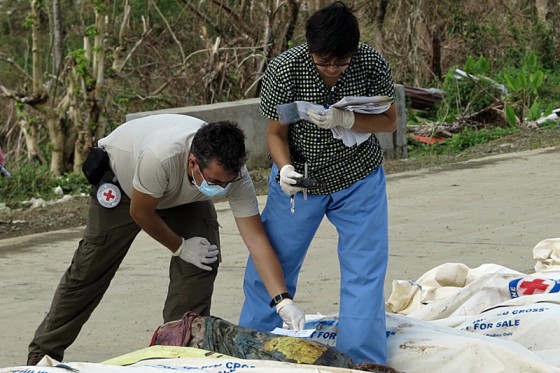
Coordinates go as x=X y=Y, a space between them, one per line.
x=292 y=76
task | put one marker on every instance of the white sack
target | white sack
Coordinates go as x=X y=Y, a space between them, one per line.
x=547 y=255
x=423 y=346
x=452 y=289
x=533 y=322
x=420 y=346
x=191 y=365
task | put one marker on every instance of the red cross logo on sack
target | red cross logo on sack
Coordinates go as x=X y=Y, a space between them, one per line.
x=108 y=195
x=533 y=285
x=536 y=286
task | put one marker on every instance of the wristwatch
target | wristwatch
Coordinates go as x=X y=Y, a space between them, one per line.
x=279 y=298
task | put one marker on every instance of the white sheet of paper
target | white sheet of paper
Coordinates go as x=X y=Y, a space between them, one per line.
x=292 y=112
x=305 y=333
x=365 y=105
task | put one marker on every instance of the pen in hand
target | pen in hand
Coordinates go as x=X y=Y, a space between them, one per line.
x=330 y=96
x=292 y=204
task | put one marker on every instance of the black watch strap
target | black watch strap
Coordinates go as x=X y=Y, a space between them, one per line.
x=279 y=298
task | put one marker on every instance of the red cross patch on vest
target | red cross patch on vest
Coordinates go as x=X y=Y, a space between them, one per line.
x=108 y=195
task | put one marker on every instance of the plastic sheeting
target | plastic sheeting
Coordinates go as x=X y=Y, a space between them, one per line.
x=161 y=359
x=485 y=319
x=488 y=319
x=425 y=346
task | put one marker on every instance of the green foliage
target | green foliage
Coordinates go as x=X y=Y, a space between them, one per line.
x=538 y=110
x=468 y=138
x=467 y=93
x=458 y=142
x=549 y=92
x=526 y=79
x=27 y=181
x=530 y=90
x=507 y=37
x=72 y=183
x=91 y=30
x=481 y=66
x=79 y=57
x=550 y=125
x=543 y=42
x=100 y=6
x=511 y=118
x=524 y=85
x=28 y=23
x=30 y=180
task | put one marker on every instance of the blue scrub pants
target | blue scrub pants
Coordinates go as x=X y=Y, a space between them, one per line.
x=360 y=216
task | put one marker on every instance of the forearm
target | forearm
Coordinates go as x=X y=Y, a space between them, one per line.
x=143 y=212
x=277 y=139
x=263 y=255
x=156 y=228
x=375 y=123
x=267 y=264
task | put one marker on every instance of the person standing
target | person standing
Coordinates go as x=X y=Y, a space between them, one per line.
x=332 y=64
x=158 y=174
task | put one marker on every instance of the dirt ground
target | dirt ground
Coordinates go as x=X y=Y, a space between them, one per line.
x=72 y=213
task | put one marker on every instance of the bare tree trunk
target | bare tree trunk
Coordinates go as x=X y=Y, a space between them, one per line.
x=57 y=36
x=281 y=26
x=413 y=32
x=380 y=13
x=83 y=144
x=46 y=108
x=547 y=13
x=31 y=135
x=436 y=36
x=56 y=136
x=92 y=101
x=36 y=31
x=544 y=11
x=294 y=6
x=81 y=106
x=96 y=99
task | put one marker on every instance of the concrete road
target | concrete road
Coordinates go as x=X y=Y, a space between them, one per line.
x=492 y=210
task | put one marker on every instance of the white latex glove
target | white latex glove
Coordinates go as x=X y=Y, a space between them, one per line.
x=287 y=175
x=291 y=315
x=332 y=117
x=197 y=251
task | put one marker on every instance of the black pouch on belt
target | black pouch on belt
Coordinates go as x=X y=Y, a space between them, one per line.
x=95 y=165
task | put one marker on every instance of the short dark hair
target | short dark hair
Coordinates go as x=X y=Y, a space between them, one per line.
x=222 y=141
x=333 y=31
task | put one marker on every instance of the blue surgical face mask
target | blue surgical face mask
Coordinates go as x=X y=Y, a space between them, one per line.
x=210 y=190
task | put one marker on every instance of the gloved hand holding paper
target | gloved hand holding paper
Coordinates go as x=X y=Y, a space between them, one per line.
x=365 y=105
x=291 y=315
x=292 y=112
x=331 y=118
x=362 y=105
x=340 y=126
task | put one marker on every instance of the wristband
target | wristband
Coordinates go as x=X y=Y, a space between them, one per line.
x=280 y=297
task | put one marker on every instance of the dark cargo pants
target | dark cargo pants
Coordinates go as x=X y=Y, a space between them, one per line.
x=107 y=238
